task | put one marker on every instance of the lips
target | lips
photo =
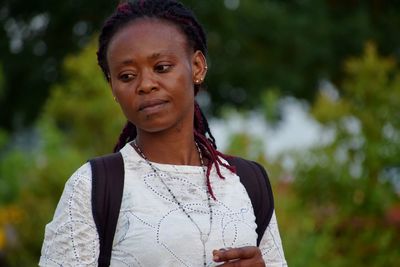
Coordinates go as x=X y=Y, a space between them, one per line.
x=150 y=104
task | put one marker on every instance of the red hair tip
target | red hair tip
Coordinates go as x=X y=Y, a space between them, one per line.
x=123 y=7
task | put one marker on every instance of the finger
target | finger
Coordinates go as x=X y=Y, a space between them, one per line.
x=235 y=253
x=216 y=252
x=235 y=263
x=244 y=263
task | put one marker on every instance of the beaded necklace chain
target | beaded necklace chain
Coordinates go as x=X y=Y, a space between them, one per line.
x=203 y=236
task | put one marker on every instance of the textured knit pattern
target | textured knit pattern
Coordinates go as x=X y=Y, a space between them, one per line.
x=152 y=230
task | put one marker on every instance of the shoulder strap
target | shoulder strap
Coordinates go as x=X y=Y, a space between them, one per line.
x=255 y=179
x=107 y=190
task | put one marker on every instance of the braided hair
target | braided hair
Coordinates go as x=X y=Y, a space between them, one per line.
x=174 y=12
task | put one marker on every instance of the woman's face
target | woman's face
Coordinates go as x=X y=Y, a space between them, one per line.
x=152 y=74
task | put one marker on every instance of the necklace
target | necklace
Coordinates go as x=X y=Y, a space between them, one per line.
x=203 y=236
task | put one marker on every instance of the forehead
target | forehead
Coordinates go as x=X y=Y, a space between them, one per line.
x=144 y=34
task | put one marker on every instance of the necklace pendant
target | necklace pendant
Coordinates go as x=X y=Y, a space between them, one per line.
x=203 y=238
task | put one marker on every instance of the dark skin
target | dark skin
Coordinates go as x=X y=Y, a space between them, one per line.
x=242 y=256
x=152 y=76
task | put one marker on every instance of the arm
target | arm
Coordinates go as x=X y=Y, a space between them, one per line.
x=71 y=238
x=271 y=245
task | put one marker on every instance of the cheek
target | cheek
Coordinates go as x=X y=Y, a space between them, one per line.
x=125 y=99
x=187 y=102
x=186 y=86
x=185 y=95
x=122 y=91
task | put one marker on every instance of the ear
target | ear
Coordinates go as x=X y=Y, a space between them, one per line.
x=199 y=67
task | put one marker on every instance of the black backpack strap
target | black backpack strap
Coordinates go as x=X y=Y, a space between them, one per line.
x=255 y=179
x=107 y=190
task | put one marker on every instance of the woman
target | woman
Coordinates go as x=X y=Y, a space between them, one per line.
x=183 y=204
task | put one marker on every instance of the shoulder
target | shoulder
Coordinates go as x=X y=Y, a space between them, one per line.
x=84 y=172
x=77 y=190
x=79 y=180
x=71 y=236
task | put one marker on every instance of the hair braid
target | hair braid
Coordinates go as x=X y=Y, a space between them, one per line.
x=128 y=134
x=208 y=146
x=203 y=126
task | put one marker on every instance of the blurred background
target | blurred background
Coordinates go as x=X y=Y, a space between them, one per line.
x=309 y=88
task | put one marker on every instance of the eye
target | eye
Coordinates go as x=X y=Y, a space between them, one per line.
x=162 y=68
x=126 y=77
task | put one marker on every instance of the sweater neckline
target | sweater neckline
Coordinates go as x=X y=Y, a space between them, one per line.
x=129 y=151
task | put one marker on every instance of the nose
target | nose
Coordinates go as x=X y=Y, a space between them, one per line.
x=147 y=82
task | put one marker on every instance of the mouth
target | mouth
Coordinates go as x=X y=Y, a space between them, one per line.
x=151 y=104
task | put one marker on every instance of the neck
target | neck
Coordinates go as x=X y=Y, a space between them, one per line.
x=171 y=149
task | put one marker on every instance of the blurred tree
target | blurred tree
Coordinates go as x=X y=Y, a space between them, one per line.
x=80 y=120
x=2 y=81
x=347 y=188
x=254 y=45
x=79 y=106
x=36 y=36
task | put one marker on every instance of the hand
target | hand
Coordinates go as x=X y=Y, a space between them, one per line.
x=239 y=257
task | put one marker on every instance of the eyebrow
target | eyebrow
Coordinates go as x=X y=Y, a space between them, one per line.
x=159 y=54
x=128 y=62
x=151 y=57
x=154 y=56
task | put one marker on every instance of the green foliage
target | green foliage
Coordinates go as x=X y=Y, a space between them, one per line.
x=242 y=144
x=254 y=45
x=3 y=139
x=78 y=107
x=10 y=181
x=79 y=121
x=2 y=82
x=36 y=36
x=270 y=104
x=341 y=186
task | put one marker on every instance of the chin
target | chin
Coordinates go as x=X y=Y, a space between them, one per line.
x=154 y=127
